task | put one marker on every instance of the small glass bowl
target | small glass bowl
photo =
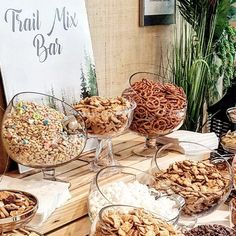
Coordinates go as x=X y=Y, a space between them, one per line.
x=11 y=223
x=123 y=209
x=199 y=200
x=161 y=109
x=231 y=113
x=104 y=125
x=228 y=145
x=100 y=194
x=41 y=131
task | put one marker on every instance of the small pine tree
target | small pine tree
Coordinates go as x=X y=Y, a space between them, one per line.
x=91 y=76
x=84 y=90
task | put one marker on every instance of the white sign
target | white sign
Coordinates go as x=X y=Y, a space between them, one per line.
x=159 y=7
x=45 y=46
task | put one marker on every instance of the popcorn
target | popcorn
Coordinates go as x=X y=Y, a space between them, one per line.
x=135 y=194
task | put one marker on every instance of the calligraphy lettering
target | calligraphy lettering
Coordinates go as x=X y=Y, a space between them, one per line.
x=65 y=18
x=44 y=51
x=12 y=16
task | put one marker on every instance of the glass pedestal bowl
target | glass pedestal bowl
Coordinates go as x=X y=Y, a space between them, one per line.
x=17 y=218
x=161 y=109
x=228 y=142
x=105 y=118
x=41 y=131
x=203 y=178
x=130 y=186
x=129 y=220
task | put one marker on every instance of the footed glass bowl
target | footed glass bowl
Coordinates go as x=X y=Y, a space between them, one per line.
x=41 y=131
x=161 y=109
x=105 y=118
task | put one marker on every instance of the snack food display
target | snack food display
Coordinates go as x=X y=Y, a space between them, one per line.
x=136 y=194
x=211 y=230
x=202 y=184
x=228 y=141
x=129 y=222
x=105 y=116
x=40 y=133
x=17 y=208
x=160 y=107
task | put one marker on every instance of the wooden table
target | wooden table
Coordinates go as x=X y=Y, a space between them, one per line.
x=72 y=219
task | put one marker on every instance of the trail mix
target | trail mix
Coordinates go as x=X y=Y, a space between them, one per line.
x=134 y=223
x=211 y=230
x=34 y=135
x=105 y=116
x=200 y=183
x=14 y=204
x=229 y=140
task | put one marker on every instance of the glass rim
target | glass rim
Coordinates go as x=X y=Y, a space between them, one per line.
x=77 y=113
x=133 y=105
x=21 y=216
x=219 y=158
x=179 y=207
x=47 y=95
x=102 y=210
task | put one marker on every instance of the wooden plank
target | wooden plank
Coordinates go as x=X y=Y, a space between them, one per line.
x=79 y=227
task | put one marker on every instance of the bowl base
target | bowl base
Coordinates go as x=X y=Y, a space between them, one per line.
x=95 y=166
x=145 y=151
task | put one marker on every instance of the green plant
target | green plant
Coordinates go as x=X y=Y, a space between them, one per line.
x=191 y=59
x=223 y=43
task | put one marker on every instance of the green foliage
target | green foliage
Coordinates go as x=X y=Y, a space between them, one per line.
x=193 y=11
x=191 y=60
x=209 y=20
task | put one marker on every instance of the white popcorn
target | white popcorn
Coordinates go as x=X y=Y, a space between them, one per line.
x=134 y=194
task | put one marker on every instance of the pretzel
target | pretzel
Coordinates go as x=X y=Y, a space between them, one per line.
x=160 y=107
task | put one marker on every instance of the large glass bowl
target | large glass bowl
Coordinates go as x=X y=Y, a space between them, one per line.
x=105 y=118
x=161 y=109
x=130 y=221
x=41 y=131
x=203 y=178
x=10 y=223
x=131 y=186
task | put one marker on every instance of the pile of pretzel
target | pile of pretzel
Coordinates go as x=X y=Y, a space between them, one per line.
x=160 y=107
